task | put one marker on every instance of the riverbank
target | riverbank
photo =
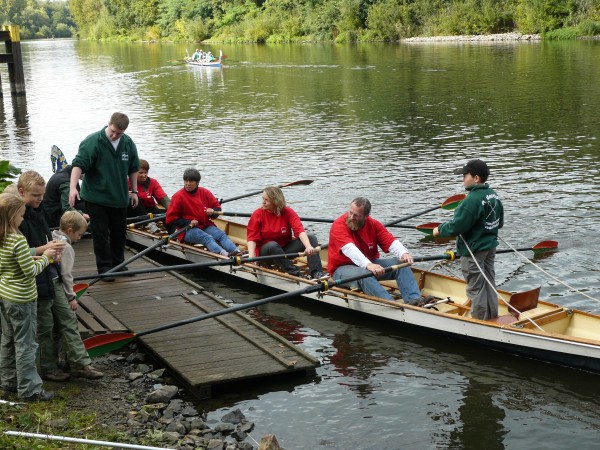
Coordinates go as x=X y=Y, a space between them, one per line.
x=503 y=37
x=136 y=402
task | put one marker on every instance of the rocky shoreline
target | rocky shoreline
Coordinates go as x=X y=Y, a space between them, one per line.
x=503 y=37
x=138 y=403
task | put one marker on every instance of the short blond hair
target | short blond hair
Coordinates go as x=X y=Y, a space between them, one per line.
x=28 y=180
x=74 y=220
x=11 y=189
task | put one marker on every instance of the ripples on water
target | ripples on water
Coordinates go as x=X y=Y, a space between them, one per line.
x=389 y=123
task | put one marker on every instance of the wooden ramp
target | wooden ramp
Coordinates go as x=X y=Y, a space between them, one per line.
x=225 y=349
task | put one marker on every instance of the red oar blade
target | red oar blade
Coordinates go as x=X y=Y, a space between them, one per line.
x=452 y=202
x=298 y=183
x=427 y=228
x=105 y=343
x=544 y=246
x=80 y=289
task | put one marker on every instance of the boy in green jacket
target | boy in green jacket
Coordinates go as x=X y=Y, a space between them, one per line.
x=475 y=224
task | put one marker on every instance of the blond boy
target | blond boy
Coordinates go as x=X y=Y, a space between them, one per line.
x=72 y=227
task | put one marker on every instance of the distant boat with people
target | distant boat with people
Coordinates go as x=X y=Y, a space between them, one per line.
x=205 y=59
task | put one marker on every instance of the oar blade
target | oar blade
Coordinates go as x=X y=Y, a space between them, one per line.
x=427 y=228
x=544 y=246
x=80 y=289
x=106 y=343
x=453 y=202
x=298 y=183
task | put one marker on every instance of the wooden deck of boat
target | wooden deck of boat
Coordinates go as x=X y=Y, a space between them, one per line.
x=203 y=354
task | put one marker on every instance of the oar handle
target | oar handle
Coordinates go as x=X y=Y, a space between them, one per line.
x=143 y=222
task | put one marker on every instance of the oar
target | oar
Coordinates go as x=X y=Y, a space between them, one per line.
x=235 y=261
x=426 y=228
x=142 y=253
x=144 y=216
x=250 y=194
x=104 y=343
x=540 y=247
x=449 y=204
x=150 y=220
x=80 y=288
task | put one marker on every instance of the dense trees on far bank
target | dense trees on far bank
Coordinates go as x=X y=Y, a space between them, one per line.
x=307 y=20
x=38 y=19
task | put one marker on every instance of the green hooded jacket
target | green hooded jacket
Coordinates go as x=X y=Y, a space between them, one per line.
x=478 y=219
x=106 y=170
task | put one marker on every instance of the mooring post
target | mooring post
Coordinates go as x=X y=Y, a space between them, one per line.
x=14 y=59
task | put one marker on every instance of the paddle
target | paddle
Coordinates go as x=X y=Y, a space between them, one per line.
x=449 y=204
x=540 y=247
x=426 y=228
x=79 y=289
x=142 y=253
x=104 y=343
x=235 y=261
x=144 y=216
x=144 y=222
x=250 y=194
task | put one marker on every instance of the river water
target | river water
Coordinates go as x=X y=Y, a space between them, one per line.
x=389 y=122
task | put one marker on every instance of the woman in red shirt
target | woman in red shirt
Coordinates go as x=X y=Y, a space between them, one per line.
x=275 y=229
x=150 y=194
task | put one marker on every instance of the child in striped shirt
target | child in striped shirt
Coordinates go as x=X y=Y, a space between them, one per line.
x=18 y=295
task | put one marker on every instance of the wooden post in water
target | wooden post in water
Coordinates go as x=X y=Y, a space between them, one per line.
x=12 y=41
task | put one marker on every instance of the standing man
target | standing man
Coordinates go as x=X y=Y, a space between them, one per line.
x=107 y=158
x=476 y=223
x=353 y=250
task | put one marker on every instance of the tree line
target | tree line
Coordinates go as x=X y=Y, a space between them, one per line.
x=278 y=21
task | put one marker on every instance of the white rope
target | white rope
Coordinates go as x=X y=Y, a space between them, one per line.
x=494 y=287
x=545 y=272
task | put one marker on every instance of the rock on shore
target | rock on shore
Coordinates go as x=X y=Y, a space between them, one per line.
x=504 y=37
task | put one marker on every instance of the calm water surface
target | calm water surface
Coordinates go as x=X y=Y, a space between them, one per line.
x=389 y=123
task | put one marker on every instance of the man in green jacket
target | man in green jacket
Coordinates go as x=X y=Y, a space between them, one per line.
x=107 y=158
x=475 y=224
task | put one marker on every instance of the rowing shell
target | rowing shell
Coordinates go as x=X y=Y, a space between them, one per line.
x=543 y=330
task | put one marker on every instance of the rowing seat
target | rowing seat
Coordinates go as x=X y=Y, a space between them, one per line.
x=521 y=302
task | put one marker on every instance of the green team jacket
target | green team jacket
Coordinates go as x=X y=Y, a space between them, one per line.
x=478 y=219
x=106 y=169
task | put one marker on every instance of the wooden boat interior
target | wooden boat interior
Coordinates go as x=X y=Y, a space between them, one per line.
x=552 y=318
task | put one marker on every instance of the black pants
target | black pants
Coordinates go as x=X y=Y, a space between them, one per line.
x=109 y=232
x=141 y=210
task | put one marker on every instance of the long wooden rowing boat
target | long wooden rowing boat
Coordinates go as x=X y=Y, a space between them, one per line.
x=542 y=330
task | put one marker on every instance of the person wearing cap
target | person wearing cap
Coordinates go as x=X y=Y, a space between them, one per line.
x=354 y=240
x=476 y=223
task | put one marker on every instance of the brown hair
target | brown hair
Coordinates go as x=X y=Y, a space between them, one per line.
x=10 y=207
x=144 y=165
x=74 y=220
x=119 y=120
x=363 y=202
x=275 y=196
x=29 y=179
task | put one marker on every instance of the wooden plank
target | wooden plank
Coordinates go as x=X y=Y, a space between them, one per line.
x=102 y=315
x=89 y=321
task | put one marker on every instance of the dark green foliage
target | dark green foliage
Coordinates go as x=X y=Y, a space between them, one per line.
x=8 y=173
x=298 y=20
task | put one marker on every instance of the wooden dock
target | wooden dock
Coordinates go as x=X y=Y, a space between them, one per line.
x=225 y=349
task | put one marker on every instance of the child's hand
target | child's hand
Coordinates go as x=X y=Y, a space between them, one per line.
x=50 y=252
x=73 y=304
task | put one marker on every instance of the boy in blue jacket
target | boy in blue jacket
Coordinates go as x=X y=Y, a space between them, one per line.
x=475 y=224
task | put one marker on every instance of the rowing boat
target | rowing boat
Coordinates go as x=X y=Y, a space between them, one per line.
x=542 y=330
x=216 y=63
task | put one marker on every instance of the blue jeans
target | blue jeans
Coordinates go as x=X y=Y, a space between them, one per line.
x=213 y=238
x=404 y=278
x=18 y=349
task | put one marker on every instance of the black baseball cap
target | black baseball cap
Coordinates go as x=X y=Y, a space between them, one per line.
x=474 y=167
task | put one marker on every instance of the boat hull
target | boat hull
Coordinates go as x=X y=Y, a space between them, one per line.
x=559 y=335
